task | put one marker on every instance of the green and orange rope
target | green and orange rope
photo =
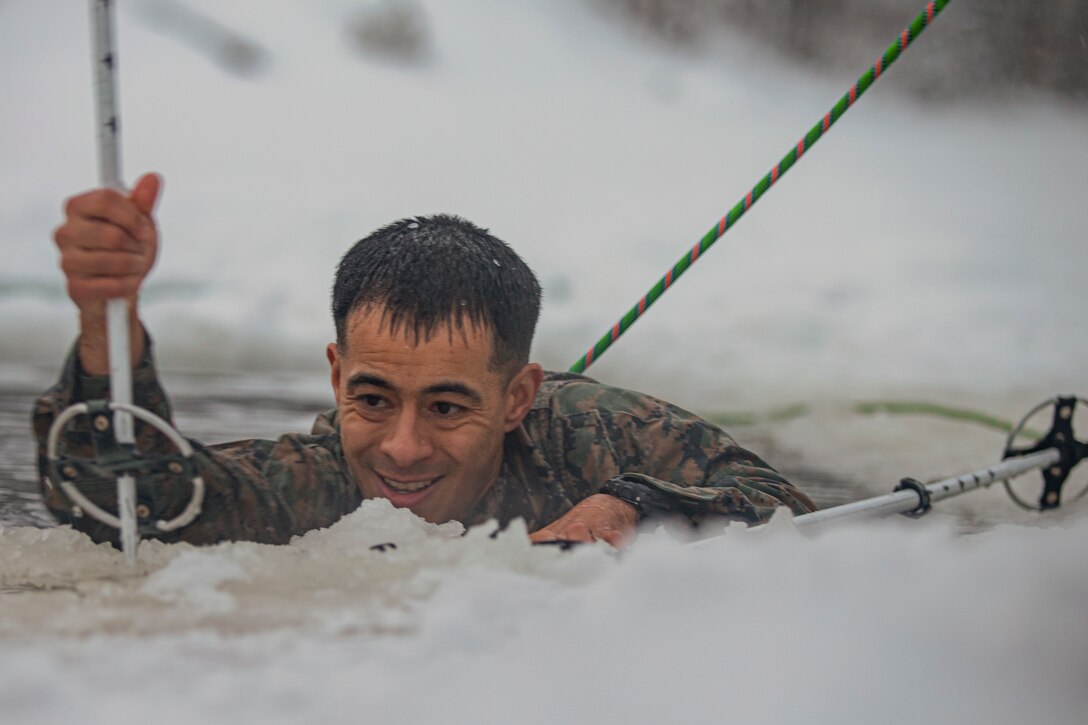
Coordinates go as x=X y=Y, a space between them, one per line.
x=908 y=36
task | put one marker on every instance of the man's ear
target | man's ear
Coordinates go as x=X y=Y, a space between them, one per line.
x=520 y=394
x=333 y=354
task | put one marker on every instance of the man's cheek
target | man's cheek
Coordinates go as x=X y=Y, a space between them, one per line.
x=359 y=468
x=354 y=441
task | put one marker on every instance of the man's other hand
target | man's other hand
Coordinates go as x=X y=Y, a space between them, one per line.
x=108 y=243
x=599 y=517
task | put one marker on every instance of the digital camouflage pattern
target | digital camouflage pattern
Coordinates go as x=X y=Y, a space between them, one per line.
x=577 y=436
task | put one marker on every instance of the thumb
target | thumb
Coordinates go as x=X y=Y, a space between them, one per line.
x=146 y=192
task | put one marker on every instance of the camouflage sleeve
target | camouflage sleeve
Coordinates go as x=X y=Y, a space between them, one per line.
x=703 y=469
x=255 y=490
x=694 y=463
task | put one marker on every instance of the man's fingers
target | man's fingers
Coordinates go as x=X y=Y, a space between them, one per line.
x=578 y=531
x=613 y=537
x=543 y=535
x=92 y=234
x=598 y=518
x=111 y=206
x=93 y=263
x=97 y=289
x=145 y=194
x=573 y=531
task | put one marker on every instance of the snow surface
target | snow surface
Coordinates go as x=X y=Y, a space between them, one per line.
x=917 y=251
x=902 y=623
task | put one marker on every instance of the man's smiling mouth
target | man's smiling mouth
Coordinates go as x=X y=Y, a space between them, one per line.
x=407 y=486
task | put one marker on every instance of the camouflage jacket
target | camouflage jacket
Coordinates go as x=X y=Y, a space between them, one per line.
x=578 y=435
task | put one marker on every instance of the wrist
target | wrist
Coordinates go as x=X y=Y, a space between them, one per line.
x=645 y=499
x=93 y=344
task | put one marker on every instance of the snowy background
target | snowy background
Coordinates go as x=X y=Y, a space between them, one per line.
x=930 y=248
x=919 y=246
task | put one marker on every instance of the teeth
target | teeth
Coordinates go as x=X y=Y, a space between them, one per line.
x=407 y=486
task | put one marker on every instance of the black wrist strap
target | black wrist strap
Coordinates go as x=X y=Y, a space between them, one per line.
x=646 y=499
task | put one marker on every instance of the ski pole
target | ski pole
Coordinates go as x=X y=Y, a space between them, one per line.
x=117 y=332
x=909 y=34
x=114 y=442
x=913 y=497
x=1055 y=454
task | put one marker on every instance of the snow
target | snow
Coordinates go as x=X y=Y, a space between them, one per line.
x=897 y=623
x=918 y=251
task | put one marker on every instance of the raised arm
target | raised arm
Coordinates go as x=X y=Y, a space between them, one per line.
x=108 y=244
x=258 y=490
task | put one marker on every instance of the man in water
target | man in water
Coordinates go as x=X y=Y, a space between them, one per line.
x=438 y=408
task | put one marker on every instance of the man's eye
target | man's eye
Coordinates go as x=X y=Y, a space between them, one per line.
x=375 y=402
x=446 y=409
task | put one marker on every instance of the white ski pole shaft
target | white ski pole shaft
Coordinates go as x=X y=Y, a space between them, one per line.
x=909 y=499
x=117 y=332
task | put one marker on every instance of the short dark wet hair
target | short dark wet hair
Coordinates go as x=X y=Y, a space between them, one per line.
x=434 y=270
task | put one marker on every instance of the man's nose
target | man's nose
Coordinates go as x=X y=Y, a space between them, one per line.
x=406 y=443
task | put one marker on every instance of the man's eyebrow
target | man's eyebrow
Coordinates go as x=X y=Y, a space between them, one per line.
x=443 y=386
x=359 y=379
x=456 y=388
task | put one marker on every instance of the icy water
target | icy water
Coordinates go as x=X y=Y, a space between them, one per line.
x=920 y=252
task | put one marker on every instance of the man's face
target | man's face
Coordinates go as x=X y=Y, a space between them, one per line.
x=422 y=421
